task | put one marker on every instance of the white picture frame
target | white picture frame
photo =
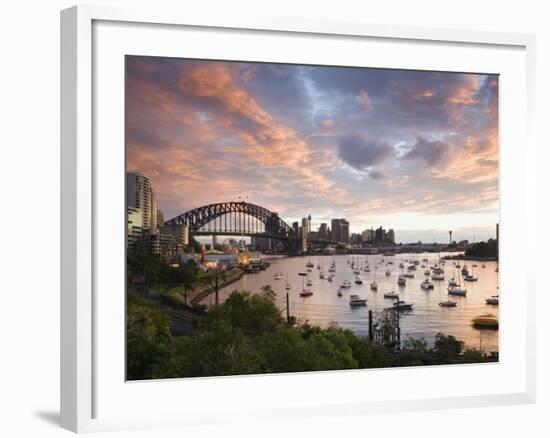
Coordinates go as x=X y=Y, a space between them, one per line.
x=85 y=374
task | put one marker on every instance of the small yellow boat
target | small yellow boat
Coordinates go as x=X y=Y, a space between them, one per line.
x=486 y=321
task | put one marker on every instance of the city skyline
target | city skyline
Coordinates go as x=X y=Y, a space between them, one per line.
x=413 y=151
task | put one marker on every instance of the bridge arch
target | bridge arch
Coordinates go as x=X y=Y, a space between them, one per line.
x=238 y=214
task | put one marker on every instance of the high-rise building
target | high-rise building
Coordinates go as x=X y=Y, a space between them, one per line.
x=323 y=231
x=368 y=235
x=160 y=218
x=390 y=236
x=305 y=226
x=340 y=230
x=180 y=233
x=296 y=227
x=140 y=195
x=380 y=234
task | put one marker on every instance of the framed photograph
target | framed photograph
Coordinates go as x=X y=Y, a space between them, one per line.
x=258 y=209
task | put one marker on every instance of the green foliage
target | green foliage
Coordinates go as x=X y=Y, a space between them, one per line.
x=247 y=335
x=483 y=249
x=473 y=356
x=149 y=343
x=156 y=271
x=447 y=348
x=416 y=345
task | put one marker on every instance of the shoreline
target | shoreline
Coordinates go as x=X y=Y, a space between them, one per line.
x=470 y=258
x=199 y=296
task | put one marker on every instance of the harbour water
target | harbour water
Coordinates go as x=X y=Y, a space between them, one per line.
x=425 y=320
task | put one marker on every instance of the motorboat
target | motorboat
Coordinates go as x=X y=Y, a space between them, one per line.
x=464 y=270
x=401 y=265
x=318 y=266
x=470 y=277
x=448 y=303
x=391 y=294
x=402 y=305
x=332 y=269
x=486 y=321
x=330 y=277
x=306 y=293
x=358 y=280
x=438 y=276
x=408 y=274
x=345 y=284
x=278 y=276
x=401 y=281
x=453 y=282
x=309 y=282
x=339 y=292
x=356 y=300
x=483 y=265
x=411 y=268
x=456 y=290
x=288 y=286
x=427 y=272
x=366 y=269
x=427 y=284
x=492 y=300
x=309 y=264
x=388 y=272
x=374 y=285
x=322 y=275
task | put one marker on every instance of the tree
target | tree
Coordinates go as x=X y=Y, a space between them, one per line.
x=487 y=249
x=447 y=348
x=473 y=356
x=149 y=342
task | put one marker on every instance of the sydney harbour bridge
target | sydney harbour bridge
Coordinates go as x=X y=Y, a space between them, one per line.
x=240 y=219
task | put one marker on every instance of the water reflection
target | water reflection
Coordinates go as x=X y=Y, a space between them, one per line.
x=425 y=320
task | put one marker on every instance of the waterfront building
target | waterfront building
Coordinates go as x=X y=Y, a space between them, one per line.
x=368 y=235
x=356 y=238
x=135 y=229
x=162 y=244
x=380 y=234
x=261 y=243
x=390 y=236
x=140 y=195
x=160 y=218
x=323 y=231
x=180 y=233
x=305 y=226
x=220 y=262
x=340 y=230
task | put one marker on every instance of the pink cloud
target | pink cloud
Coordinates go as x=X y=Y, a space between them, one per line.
x=364 y=98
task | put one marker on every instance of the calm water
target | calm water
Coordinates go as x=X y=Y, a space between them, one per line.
x=425 y=320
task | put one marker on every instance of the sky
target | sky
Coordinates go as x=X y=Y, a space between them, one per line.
x=416 y=151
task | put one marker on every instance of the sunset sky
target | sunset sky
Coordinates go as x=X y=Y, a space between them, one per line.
x=409 y=150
